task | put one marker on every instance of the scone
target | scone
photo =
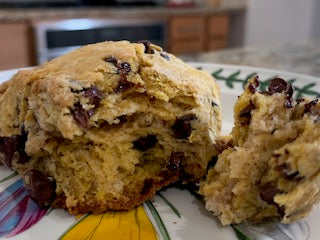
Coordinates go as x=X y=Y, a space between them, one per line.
x=107 y=125
x=272 y=168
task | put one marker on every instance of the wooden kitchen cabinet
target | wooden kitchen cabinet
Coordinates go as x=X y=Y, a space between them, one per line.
x=15 y=45
x=218 y=32
x=186 y=34
x=193 y=34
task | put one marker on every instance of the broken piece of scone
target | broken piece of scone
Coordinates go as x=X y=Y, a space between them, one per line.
x=107 y=125
x=273 y=167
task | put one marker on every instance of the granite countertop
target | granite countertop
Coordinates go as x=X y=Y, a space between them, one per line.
x=25 y=14
x=303 y=58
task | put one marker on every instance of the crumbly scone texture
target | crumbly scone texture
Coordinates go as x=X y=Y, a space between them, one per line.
x=273 y=167
x=107 y=125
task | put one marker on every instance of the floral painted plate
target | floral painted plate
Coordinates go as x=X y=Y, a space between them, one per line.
x=174 y=213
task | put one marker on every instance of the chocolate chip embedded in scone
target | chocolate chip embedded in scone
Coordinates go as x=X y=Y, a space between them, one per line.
x=146 y=44
x=278 y=85
x=254 y=84
x=144 y=143
x=268 y=192
x=8 y=146
x=272 y=168
x=108 y=125
x=175 y=161
x=182 y=127
x=112 y=60
x=40 y=187
x=165 y=56
x=94 y=96
x=123 y=84
x=124 y=68
x=81 y=115
x=14 y=145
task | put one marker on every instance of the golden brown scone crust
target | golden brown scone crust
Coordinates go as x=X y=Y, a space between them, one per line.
x=109 y=124
x=273 y=167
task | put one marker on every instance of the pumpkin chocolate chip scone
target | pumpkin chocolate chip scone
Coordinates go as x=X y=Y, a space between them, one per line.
x=107 y=125
x=273 y=167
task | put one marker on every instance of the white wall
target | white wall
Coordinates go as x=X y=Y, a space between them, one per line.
x=274 y=21
x=315 y=31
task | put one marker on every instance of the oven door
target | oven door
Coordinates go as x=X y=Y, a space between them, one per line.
x=59 y=37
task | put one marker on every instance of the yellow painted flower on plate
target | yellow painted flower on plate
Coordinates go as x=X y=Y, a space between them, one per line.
x=133 y=224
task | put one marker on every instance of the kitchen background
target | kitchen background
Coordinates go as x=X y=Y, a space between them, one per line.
x=282 y=34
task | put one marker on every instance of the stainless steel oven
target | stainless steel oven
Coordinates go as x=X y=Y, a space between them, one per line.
x=58 y=37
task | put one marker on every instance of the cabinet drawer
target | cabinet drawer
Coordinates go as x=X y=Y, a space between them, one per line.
x=219 y=25
x=187 y=27
x=186 y=46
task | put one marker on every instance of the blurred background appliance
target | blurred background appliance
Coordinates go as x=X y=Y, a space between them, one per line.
x=38 y=3
x=64 y=3
x=55 y=38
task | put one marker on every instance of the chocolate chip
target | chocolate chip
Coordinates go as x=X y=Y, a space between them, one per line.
x=268 y=192
x=40 y=187
x=212 y=163
x=123 y=84
x=80 y=115
x=214 y=104
x=281 y=210
x=309 y=107
x=175 y=161
x=148 y=185
x=23 y=157
x=123 y=118
x=146 y=44
x=144 y=143
x=124 y=68
x=22 y=139
x=245 y=114
x=8 y=146
x=278 y=85
x=112 y=60
x=182 y=126
x=289 y=93
x=254 y=85
x=165 y=56
x=94 y=95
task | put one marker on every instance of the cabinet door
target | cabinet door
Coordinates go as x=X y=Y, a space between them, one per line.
x=218 y=32
x=187 y=27
x=186 y=34
x=14 y=45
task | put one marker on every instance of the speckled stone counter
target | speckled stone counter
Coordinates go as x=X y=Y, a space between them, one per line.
x=301 y=58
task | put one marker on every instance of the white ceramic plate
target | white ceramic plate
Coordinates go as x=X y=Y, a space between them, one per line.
x=174 y=213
